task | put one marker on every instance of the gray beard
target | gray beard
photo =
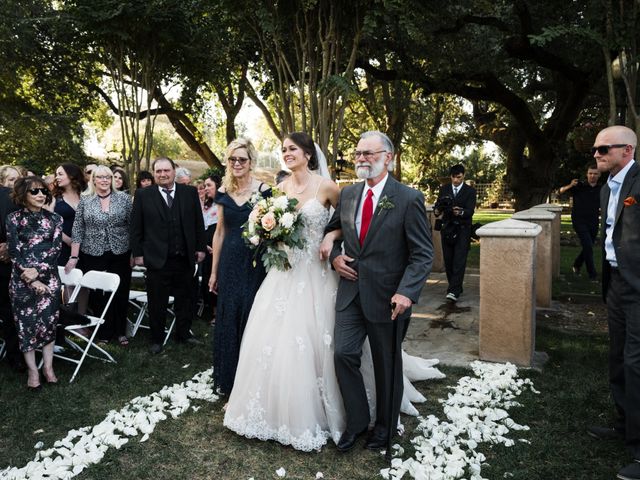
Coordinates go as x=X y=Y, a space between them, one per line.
x=365 y=173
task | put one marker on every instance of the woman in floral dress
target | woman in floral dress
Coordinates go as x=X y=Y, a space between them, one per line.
x=34 y=238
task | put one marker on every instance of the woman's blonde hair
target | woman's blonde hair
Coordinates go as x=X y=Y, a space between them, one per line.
x=99 y=170
x=229 y=182
x=4 y=173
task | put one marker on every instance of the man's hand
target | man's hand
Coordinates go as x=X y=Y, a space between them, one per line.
x=402 y=303
x=139 y=261
x=199 y=257
x=345 y=271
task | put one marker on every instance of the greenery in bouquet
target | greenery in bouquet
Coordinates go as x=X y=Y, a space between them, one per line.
x=274 y=226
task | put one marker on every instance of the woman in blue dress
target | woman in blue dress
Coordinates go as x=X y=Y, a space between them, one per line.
x=235 y=277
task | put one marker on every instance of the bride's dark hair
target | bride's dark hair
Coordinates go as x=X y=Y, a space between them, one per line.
x=305 y=142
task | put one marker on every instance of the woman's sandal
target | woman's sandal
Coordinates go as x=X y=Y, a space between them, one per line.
x=123 y=341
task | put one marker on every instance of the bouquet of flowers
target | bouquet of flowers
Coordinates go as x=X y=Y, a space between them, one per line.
x=274 y=225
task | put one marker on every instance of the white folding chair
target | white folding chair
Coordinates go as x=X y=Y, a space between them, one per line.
x=71 y=280
x=94 y=280
x=140 y=301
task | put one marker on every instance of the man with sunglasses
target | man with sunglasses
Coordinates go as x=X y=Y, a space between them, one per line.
x=614 y=150
x=167 y=237
x=584 y=217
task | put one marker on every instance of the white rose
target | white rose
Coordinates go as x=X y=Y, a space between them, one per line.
x=287 y=219
x=255 y=240
x=281 y=202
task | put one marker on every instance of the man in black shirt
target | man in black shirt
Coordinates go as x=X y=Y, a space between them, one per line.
x=584 y=217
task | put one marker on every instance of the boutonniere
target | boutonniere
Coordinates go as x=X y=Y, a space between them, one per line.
x=385 y=204
x=632 y=200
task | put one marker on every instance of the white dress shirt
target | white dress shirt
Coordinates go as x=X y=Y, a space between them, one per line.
x=377 y=191
x=615 y=184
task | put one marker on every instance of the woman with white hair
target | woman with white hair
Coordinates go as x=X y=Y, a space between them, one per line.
x=101 y=236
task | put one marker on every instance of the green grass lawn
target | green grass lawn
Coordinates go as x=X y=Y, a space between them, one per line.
x=573 y=386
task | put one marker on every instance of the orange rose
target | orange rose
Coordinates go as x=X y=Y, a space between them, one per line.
x=629 y=201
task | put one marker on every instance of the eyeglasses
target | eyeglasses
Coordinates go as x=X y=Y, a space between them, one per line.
x=240 y=160
x=103 y=177
x=604 y=149
x=366 y=154
x=35 y=191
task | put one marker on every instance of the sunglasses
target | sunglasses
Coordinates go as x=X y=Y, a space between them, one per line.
x=239 y=160
x=604 y=149
x=35 y=191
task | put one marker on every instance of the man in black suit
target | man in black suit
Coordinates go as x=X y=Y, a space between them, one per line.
x=456 y=203
x=10 y=335
x=167 y=237
x=614 y=150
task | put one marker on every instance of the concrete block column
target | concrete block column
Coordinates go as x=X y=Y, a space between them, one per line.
x=438 y=259
x=544 y=252
x=557 y=210
x=507 y=291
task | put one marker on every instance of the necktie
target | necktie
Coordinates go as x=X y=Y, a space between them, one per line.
x=169 y=197
x=455 y=191
x=367 y=213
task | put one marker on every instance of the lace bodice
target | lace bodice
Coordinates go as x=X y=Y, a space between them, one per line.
x=315 y=217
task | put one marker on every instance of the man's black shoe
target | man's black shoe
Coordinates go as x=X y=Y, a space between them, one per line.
x=605 y=433
x=193 y=341
x=155 y=349
x=376 y=441
x=348 y=440
x=630 y=472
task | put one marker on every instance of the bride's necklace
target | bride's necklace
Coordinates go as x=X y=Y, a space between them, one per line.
x=298 y=192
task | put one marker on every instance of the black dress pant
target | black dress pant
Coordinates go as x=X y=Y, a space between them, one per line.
x=623 y=307
x=116 y=318
x=175 y=279
x=587 y=234
x=455 y=259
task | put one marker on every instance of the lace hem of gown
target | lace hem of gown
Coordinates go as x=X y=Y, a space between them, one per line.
x=255 y=426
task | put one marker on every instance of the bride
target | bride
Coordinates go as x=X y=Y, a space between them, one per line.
x=285 y=387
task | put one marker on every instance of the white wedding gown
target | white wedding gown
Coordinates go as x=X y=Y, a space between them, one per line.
x=285 y=387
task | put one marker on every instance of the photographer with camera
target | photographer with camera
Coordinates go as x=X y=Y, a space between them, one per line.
x=584 y=217
x=456 y=204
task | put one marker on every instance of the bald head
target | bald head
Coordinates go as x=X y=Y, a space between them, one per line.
x=614 y=148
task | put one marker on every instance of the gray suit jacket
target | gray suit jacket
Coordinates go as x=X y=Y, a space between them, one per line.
x=397 y=253
x=626 y=231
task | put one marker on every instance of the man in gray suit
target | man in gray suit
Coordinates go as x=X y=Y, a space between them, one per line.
x=386 y=260
x=620 y=206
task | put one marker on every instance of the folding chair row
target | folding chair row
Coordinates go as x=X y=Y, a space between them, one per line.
x=140 y=301
x=93 y=280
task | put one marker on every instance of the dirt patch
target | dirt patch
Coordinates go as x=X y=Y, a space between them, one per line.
x=580 y=315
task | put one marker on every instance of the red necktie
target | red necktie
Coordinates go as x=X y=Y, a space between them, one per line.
x=367 y=213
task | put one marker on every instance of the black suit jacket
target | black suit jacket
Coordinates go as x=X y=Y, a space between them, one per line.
x=626 y=231
x=149 y=232
x=466 y=199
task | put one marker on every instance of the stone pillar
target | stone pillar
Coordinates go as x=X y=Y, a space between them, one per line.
x=557 y=210
x=544 y=252
x=438 y=260
x=507 y=291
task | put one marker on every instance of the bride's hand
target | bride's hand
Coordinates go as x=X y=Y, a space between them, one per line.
x=325 y=248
